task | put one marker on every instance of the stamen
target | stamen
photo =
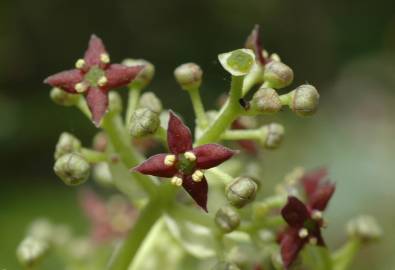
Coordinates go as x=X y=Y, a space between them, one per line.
x=102 y=81
x=313 y=241
x=316 y=215
x=303 y=233
x=177 y=181
x=190 y=156
x=104 y=58
x=81 y=87
x=197 y=176
x=169 y=160
x=80 y=63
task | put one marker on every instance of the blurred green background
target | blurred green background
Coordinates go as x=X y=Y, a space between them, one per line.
x=345 y=48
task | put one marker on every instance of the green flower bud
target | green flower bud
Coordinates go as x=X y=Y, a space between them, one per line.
x=72 y=168
x=266 y=100
x=304 y=100
x=241 y=191
x=144 y=122
x=364 y=227
x=225 y=266
x=189 y=76
x=114 y=102
x=278 y=74
x=239 y=256
x=238 y=62
x=100 y=142
x=145 y=76
x=151 y=101
x=63 y=98
x=227 y=219
x=67 y=143
x=30 y=251
x=273 y=135
x=102 y=174
x=41 y=229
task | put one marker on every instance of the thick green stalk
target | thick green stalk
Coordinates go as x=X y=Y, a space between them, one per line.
x=198 y=107
x=243 y=134
x=343 y=257
x=134 y=95
x=93 y=156
x=227 y=115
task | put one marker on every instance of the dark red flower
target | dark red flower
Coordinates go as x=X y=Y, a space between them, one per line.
x=305 y=220
x=94 y=77
x=253 y=42
x=184 y=164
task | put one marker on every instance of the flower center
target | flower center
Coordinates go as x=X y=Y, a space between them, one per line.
x=94 y=75
x=186 y=166
x=240 y=60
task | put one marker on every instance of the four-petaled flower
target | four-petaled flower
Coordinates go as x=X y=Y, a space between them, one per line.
x=305 y=220
x=185 y=164
x=94 y=77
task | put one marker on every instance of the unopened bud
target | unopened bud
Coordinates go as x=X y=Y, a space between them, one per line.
x=266 y=100
x=30 y=251
x=278 y=74
x=304 y=100
x=41 y=229
x=273 y=136
x=364 y=227
x=63 y=98
x=115 y=102
x=72 y=168
x=241 y=191
x=238 y=62
x=151 y=101
x=227 y=219
x=102 y=174
x=145 y=76
x=225 y=266
x=189 y=76
x=144 y=122
x=67 y=143
x=100 y=142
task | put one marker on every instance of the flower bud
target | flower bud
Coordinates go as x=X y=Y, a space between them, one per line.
x=227 y=219
x=67 y=143
x=364 y=227
x=225 y=266
x=266 y=100
x=114 y=102
x=304 y=100
x=238 y=62
x=63 y=98
x=30 y=251
x=100 y=142
x=145 y=76
x=241 y=191
x=151 y=101
x=102 y=174
x=278 y=74
x=41 y=229
x=189 y=76
x=144 y=122
x=273 y=136
x=72 y=169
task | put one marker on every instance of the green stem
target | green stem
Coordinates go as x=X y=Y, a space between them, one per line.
x=225 y=178
x=161 y=135
x=83 y=107
x=134 y=95
x=227 y=115
x=121 y=141
x=93 y=156
x=252 y=78
x=198 y=107
x=343 y=257
x=243 y=134
x=286 y=99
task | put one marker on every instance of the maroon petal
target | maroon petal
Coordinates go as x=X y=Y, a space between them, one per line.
x=97 y=100
x=197 y=190
x=65 y=80
x=291 y=244
x=120 y=75
x=253 y=42
x=95 y=49
x=295 y=212
x=311 y=181
x=211 y=155
x=319 y=200
x=155 y=166
x=179 y=136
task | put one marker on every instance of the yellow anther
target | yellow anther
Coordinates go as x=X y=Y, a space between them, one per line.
x=316 y=215
x=80 y=63
x=81 y=87
x=169 y=160
x=313 y=241
x=303 y=233
x=102 y=81
x=177 y=181
x=104 y=58
x=197 y=176
x=190 y=156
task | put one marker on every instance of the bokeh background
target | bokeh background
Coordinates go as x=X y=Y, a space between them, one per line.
x=345 y=48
